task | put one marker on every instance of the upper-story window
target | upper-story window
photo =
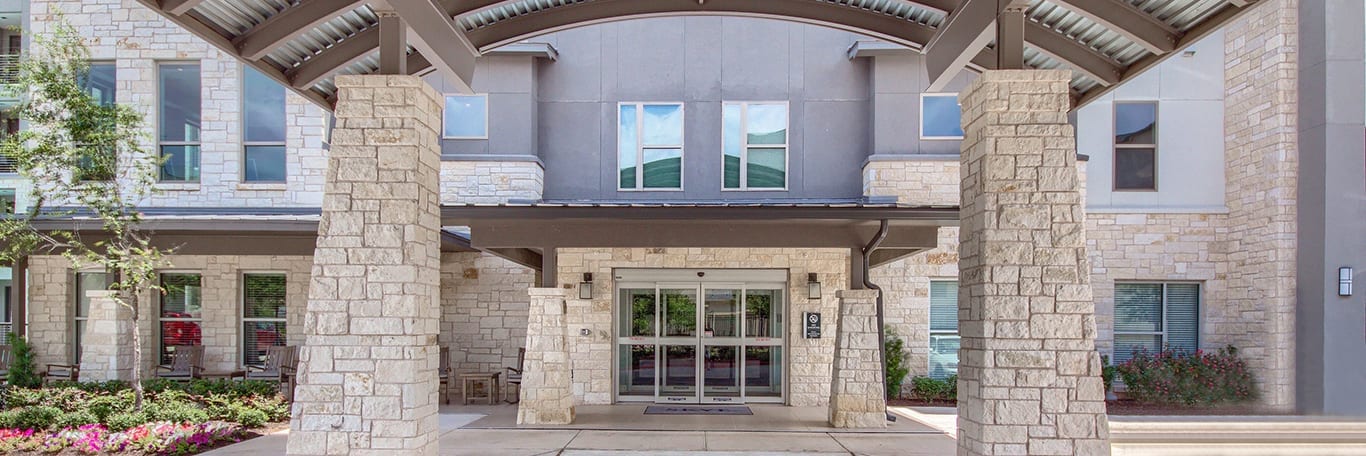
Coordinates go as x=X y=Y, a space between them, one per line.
x=650 y=146
x=754 y=156
x=180 y=121
x=1136 y=146
x=263 y=130
x=466 y=117
x=100 y=83
x=940 y=116
x=7 y=201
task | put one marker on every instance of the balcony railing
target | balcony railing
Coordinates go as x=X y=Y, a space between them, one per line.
x=7 y=165
x=9 y=68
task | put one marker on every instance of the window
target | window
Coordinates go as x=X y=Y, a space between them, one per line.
x=940 y=116
x=754 y=155
x=180 y=121
x=1136 y=146
x=466 y=117
x=182 y=309
x=263 y=128
x=1149 y=316
x=650 y=146
x=263 y=315
x=944 y=340
x=7 y=201
x=85 y=281
x=97 y=164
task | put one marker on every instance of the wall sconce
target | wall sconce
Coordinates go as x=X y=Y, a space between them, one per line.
x=586 y=286
x=1344 y=281
x=813 y=286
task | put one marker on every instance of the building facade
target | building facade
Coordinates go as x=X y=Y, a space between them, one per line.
x=1189 y=243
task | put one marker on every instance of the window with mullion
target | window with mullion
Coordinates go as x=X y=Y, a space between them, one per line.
x=263 y=315
x=1150 y=316
x=263 y=128
x=85 y=281
x=650 y=146
x=182 y=311
x=180 y=121
x=1135 y=146
x=944 y=339
x=754 y=153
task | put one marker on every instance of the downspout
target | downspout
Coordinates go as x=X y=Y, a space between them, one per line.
x=868 y=284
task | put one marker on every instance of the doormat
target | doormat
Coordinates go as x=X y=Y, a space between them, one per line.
x=676 y=410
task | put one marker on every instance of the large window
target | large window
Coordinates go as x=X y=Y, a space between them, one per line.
x=179 y=111
x=1149 y=316
x=263 y=315
x=1136 y=146
x=466 y=117
x=944 y=340
x=85 y=281
x=182 y=310
x=940 y=116
x=650 y=146
x=263 y=128
x=98 y=163
x=754 y=156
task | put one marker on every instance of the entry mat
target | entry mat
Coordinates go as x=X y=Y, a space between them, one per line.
x=698 y=410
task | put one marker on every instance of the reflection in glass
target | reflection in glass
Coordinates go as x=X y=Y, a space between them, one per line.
x=636 y=370
x=627 y=145
x=1136 y=168
x=663 y=125
x=763 y=313
x=181 y=163
x=263 y=110
x=465 y=116
x=1136 y=123
x=767 y=168
x=259 y=336
x=101 y=83
x=88 y=281
x=767 y=124
x=941 y=117
x=680 y=313
x=680 y=370
x=663 y=168
x=183 y=297
x=722 y=313
x=180 y=102
x=177 y=333
x=732 y=144
x=763 y=371
x=943 y=355
x=264 y=164
x=637 y=313
x=721 y=371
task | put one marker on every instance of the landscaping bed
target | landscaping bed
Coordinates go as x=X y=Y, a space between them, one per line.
x=100 y=418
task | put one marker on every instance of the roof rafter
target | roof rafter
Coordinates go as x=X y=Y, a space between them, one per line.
x=1076 y=55
x=332 y=59
x=178 y=7
x=1129 y=22
x=288 y=24
x=436 y=35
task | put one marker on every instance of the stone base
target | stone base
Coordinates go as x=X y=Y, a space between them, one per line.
x=546 y=395
x=857 y=398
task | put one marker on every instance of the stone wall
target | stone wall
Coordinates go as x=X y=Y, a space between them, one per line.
x=483 y=310
x=931 y=180
x=906 y=300
x=809 y=360
x=490 y=182
x=52 y=303
x=1261 y=166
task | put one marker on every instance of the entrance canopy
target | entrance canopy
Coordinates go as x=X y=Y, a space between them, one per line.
x=304 y=43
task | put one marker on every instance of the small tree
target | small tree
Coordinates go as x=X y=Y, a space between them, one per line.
x=71 y=137
x=22 y=371
x=895 y=353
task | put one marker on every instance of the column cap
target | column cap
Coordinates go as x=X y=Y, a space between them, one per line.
x=550 y=292
x=856 y=294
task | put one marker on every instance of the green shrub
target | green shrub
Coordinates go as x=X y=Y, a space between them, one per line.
x=175 y=411
x=935 y=390
x=1179 y=377
x=37 y=417
x=74 y=419
x=108 y=404
x=1107 y=373
x=22 y=370
x=119 y=422
x=250 y=417
x=894 y=351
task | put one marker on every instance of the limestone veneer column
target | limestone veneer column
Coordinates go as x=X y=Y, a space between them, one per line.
x=857 y=398
x=1029 y=375
x=368 y=382
x=546 y=397
x=106 y=353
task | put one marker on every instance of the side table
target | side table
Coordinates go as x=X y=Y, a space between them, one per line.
x=470 y=381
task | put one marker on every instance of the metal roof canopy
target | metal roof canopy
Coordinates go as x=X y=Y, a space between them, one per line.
x=304 y=43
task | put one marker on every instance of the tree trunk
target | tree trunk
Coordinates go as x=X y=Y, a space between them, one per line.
x=136 y=377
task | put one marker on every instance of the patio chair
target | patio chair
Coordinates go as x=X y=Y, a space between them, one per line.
x=515 y=376
x=4 y=363
x=187 y=362
x=280 y=364
x=67 y=372
x=443 y=373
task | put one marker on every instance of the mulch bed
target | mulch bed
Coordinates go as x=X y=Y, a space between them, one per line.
x=1129 y=407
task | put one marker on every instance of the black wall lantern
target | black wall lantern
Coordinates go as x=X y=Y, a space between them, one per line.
x=586 y=286
x=813 y=286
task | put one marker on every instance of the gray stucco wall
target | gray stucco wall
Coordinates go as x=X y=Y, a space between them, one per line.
x=1331 y=337
x=898 y=82
x=509 y=82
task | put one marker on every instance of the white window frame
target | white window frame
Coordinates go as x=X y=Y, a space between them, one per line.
x=75 y=309
x=242 y=309
x=929 y=363
x=161 y=339
x=242 y=120
x=640 y=147
x=744 y=146
x=161 y=98
x=1114 y=157
x=921 y=127
x=1199 y=312
x=444 y=100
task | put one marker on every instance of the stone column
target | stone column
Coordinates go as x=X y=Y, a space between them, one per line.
x=1029 y=375
x=368 y=382
x=857 y=398
x=546 y=397
x=105 y=351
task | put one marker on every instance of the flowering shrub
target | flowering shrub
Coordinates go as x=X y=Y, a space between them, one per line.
x=1180 y=377
x=111 y=404
x=162 y=438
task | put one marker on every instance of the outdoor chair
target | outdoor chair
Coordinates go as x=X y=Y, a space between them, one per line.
x=67 y=372
x=280 y=364
x=515 y=376
x=443 y=372
x=187 y=362
x=4 y=363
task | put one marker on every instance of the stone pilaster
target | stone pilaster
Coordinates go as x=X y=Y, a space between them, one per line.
x=368 y=382
x=1029 y=374
x=857 y=399
x=546 y=394
x=105 y=351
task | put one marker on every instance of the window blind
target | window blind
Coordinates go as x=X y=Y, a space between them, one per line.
x=944 y=306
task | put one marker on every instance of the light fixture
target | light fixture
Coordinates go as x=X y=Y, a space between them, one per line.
x=586 y=286
x=1345 y=281
x=1188 y=54
x=813 y=286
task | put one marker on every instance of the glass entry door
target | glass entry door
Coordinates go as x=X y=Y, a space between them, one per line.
x=700 y=342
